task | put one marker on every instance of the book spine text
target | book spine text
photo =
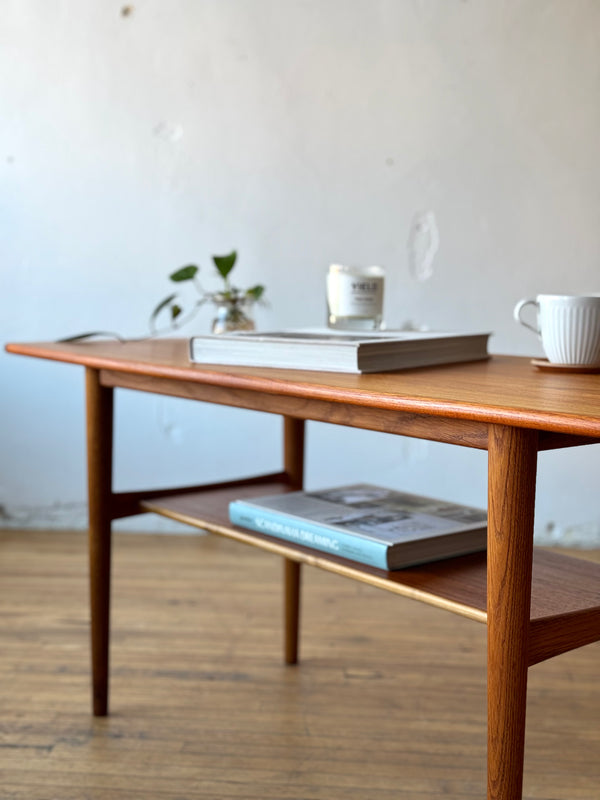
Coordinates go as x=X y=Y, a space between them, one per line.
x=308 y=534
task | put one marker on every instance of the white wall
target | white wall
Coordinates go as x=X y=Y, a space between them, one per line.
x=300 y=132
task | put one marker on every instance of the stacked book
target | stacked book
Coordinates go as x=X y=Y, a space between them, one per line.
x=338 y=351
x=370 y=524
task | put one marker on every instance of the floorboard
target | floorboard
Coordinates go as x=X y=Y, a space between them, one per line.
x=387 y=702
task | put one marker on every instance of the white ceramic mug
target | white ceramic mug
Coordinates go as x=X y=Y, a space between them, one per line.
x=569 y=326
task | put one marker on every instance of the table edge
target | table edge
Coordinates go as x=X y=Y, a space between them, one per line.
x=292 y=384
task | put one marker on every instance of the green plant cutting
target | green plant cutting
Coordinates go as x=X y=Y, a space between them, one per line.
x=234 y=298
x=233 y=301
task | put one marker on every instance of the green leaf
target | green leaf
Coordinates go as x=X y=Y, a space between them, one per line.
x=175 y=311
x=225 y=263
x=184 y=274
x=256 y=292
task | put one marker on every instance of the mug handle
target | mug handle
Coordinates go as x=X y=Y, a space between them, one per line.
x=517 y=314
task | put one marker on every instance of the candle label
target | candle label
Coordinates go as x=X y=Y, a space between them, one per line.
x=354 y=295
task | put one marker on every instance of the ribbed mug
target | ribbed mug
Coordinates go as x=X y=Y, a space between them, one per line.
x=569 y=327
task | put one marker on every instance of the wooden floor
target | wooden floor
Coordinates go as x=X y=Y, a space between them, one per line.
x=388 y=702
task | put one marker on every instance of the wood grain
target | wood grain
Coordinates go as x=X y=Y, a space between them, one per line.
x=499 y=404
x=389 y=703
x=511 y=504
x=504 y=389
x=293 y=451
x=450 y=431
x=99 y=410
x=561 y=586
x=129 y=504
x=293 y=465
x=555 y=635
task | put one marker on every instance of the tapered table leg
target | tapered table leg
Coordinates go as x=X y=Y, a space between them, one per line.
x=292 y=583
x=293 y=461
x=511 y=500
x=99 y=454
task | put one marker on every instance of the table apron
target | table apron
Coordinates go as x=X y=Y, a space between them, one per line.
x=463 y=432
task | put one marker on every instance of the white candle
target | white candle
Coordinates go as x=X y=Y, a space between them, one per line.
x=355 y=297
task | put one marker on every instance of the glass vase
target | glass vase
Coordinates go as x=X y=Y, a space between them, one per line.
x=233 y=314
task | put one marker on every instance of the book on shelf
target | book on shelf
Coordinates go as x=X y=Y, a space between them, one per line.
x=371 y=524
x=338 y=351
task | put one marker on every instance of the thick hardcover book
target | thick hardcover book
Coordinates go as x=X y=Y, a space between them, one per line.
x=338 y=351
x=377 y=526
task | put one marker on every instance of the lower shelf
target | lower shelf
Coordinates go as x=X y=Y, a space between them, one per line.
x=565 y=603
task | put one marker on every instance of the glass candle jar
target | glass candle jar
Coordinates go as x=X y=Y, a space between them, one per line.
x=233 y=313
x=355 y=297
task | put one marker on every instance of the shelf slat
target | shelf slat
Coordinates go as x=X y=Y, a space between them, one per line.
x=562 y=586
x=457 y=584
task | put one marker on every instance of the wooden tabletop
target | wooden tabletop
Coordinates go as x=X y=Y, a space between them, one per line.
x=503 y=389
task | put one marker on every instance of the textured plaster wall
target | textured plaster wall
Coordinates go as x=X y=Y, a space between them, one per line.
x=137 y=139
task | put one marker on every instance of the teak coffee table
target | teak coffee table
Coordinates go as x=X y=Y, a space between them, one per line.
x=536 y=604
